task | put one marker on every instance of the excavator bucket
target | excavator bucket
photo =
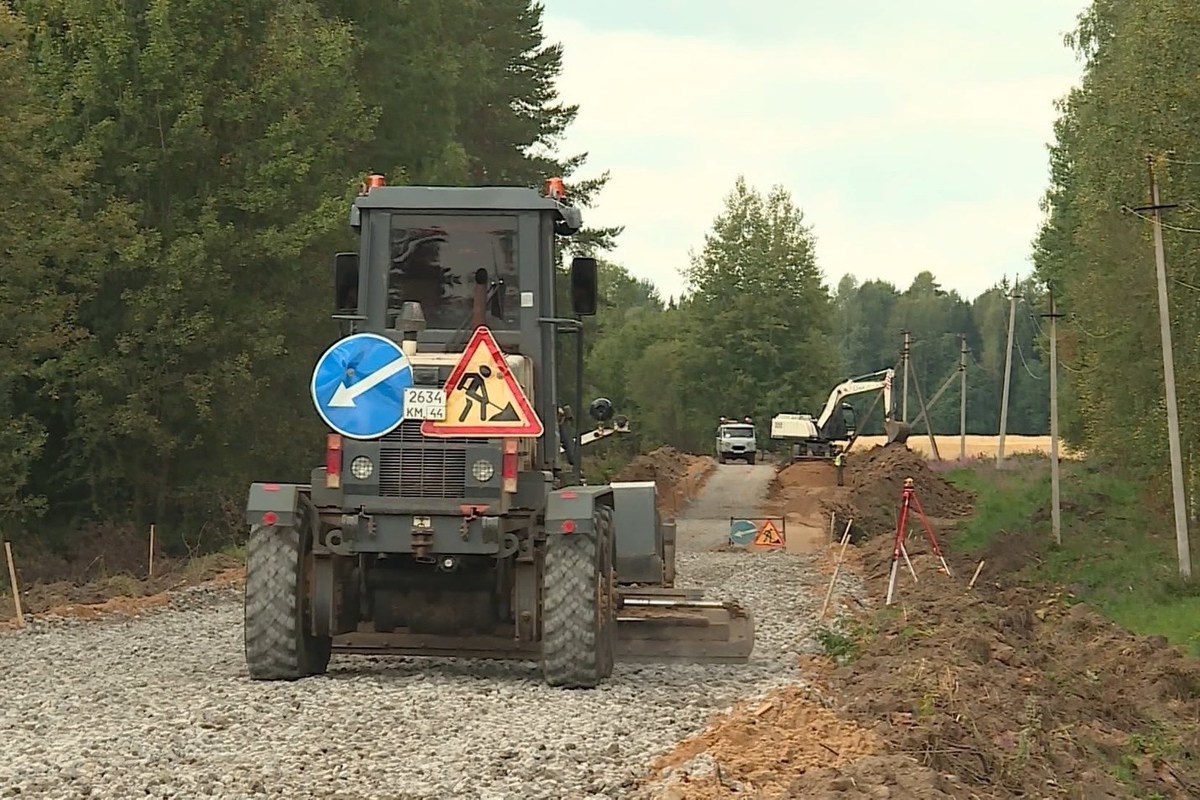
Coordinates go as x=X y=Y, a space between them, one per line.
x=663 y=625
x=897 y=432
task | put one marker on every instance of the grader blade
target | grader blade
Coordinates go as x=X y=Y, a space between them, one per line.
x=897 y=432
x=664 y=628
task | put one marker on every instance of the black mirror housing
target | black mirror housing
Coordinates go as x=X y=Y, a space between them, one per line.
x=345 y=282
x=585 y=288
x=601 y=409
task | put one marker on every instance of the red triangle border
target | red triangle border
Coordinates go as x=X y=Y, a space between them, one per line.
x=534 y=428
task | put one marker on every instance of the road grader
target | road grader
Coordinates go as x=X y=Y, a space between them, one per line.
x=443 y=521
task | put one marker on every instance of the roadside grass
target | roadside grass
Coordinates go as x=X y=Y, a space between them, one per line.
x=1118 y=552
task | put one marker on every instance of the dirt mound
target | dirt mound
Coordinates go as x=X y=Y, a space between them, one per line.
x=679 y=475
x=116 y=593
x=762 y=747
x=1021 y=689
x=807 y=475
x=875 y=480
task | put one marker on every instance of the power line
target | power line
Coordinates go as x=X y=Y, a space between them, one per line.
x=1020 y=352
x=1166 y=225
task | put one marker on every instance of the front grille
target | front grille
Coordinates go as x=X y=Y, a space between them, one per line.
x=433 y=472
x=412 y=465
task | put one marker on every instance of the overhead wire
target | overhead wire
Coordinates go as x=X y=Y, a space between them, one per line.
x=1167 y=225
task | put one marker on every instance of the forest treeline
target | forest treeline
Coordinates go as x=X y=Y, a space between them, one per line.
x=176 y=176
x=1096 y=250
x=760 y=331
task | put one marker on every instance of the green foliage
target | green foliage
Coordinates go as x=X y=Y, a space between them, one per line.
x=1131 y=103
x=872 y=319
x=177 y=174
x=1118 y=551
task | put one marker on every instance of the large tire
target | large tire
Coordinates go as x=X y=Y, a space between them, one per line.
x=279 y=645
x=578 y=616
x=750 y=459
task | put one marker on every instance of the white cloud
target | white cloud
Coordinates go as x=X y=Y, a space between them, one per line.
x=677 y=118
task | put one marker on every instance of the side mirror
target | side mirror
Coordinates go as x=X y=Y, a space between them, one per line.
x=345 y=282
x=584 y=286
x=601 y=409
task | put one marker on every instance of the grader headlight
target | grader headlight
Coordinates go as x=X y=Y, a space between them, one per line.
x=362 y=468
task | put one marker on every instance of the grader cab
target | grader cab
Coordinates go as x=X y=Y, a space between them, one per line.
x=442 y=521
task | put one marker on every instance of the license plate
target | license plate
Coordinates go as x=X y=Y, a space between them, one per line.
x=425 y=404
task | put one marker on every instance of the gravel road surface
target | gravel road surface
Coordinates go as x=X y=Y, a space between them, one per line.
x=161 y=706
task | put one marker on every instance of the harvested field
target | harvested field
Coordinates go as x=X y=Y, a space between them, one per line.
x=977 y=446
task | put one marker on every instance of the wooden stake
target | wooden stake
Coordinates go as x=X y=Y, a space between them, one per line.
x=12 y=581
x=836 y=569
x=832 y=522
x=975 y=577
x=151 y=549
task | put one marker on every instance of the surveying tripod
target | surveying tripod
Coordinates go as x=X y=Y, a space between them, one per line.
x=908 y=498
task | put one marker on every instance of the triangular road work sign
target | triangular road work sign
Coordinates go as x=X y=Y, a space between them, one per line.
x=483 y=397
x=768 y=536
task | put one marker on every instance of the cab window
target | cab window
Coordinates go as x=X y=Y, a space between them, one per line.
x=443 y=261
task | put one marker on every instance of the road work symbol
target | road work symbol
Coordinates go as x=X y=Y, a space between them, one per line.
x=358 y=386
x=768 y=536
x=483 y=397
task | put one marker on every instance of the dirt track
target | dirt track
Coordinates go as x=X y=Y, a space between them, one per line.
x=733 y=490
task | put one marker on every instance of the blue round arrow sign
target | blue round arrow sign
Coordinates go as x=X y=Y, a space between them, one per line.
x=358 y=386
x=742 y=531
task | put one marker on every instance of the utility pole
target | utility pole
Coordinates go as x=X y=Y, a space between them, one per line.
x=1012 y=324
x=1164 y=322
x=962 y=400
x=1055 y=496
x=904 y=360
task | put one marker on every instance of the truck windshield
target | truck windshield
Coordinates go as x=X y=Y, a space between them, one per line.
x=438 y=261
x=738 y=432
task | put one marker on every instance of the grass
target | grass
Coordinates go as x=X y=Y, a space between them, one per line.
x=1118 y=552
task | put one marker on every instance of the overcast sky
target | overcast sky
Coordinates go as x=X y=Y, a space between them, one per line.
x=912 y=134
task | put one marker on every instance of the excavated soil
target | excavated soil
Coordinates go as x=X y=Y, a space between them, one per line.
x=1001 y=691
x=680 y=476
x=1020 y=691
x=874 y=483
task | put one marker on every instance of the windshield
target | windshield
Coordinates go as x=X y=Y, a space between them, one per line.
x=738 y=432
x=440 y=260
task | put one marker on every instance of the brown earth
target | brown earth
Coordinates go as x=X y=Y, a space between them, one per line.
x=1006 y=690
x=680 y=476
x=875 y=482
x=122 y=593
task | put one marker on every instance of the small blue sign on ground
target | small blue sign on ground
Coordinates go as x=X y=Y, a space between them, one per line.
x=742 y=532
x=358 y=386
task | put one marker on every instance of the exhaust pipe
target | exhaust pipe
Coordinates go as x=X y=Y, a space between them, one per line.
x=897 y=432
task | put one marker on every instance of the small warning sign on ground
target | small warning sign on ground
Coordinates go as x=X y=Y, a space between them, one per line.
x=769 y=536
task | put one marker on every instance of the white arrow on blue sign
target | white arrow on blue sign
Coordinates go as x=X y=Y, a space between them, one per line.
x=358 y=386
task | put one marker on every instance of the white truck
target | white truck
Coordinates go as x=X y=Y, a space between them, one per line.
x=820 y=438
x=736 y=440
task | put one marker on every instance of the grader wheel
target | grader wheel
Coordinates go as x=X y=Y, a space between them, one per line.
x=279 y=645
x=578 y=617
